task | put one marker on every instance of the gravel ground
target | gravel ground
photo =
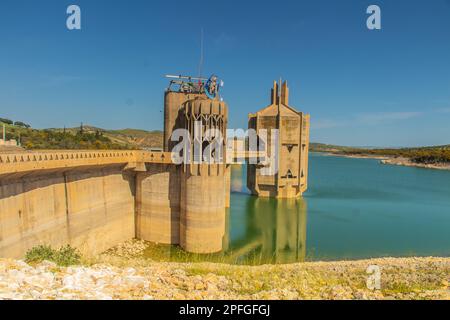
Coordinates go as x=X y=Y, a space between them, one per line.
x=123 y=275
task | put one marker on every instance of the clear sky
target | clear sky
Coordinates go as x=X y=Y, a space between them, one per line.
x=369 y=88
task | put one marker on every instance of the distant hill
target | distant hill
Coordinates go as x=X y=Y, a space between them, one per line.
x=86 y=137
x=322 y=147
x=422 y=155
x=136 y=138
x=83 y=137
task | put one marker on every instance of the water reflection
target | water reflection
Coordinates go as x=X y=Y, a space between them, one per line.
x=263 y=230
x=258 y=230
x=275 y=232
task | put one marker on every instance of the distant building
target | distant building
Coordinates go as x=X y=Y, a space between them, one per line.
x=291 y=177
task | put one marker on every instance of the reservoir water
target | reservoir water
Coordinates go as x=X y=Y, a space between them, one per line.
x=354 y=208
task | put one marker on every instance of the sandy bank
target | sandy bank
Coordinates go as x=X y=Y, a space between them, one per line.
x=408 y=163
x=355 y=156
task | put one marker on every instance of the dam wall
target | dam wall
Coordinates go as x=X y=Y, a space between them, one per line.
x=90 y=208
x=94 y=200
x=158 y=204
x=83 y=198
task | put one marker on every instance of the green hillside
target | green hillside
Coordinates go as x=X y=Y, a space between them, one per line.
x=425 y=155
x=322 y=147
x=133 y=138
x=83 y=137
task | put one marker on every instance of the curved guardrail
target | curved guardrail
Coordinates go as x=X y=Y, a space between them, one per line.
x=48 y=160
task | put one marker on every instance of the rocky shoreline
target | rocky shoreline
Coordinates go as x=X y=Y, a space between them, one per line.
x=408 y=163
x=138 y=279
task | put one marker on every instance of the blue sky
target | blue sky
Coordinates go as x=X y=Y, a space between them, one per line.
x=375 y=88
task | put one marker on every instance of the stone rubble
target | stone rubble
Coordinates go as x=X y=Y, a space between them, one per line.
x=404 y=278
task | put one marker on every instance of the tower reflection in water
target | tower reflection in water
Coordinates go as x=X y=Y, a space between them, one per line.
x=261 y=230
x=258 y=230
x=275 y=232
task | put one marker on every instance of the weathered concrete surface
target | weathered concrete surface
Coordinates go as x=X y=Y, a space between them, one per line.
x=174 y=102
x=91 y=209
x=25 y=162
x=93 y=205
x=158 y=204
x=290 y=176
x=202 y=220
x=204 y=188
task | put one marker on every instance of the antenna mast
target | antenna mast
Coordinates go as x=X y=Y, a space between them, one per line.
x=200 y=65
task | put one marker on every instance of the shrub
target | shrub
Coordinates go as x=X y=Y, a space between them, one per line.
x=65 y=256
x=39 y=254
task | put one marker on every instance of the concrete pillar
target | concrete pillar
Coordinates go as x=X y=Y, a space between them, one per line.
x=158 y=204
x=202 y=223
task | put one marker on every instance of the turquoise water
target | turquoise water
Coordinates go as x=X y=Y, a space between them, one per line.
x=354 y=208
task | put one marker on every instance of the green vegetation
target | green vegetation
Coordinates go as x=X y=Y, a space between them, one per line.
x=6 y=121
x=424 y=155
x=321 y=147
x=65 y=256
x=50 y=139
x=169 y=253
x=133 y=138
x=83 y=137
x=71 y=139
x=427 y=155
x=21 y=124
x=47 y=139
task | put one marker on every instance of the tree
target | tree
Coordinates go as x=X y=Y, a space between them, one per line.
x=6 y=121
x=21 y=124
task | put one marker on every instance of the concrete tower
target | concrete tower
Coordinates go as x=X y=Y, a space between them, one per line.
x=185 y=204
x=203 y=185
x=291 y=179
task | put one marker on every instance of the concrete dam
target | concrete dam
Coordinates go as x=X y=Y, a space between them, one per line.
x=94 y=200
